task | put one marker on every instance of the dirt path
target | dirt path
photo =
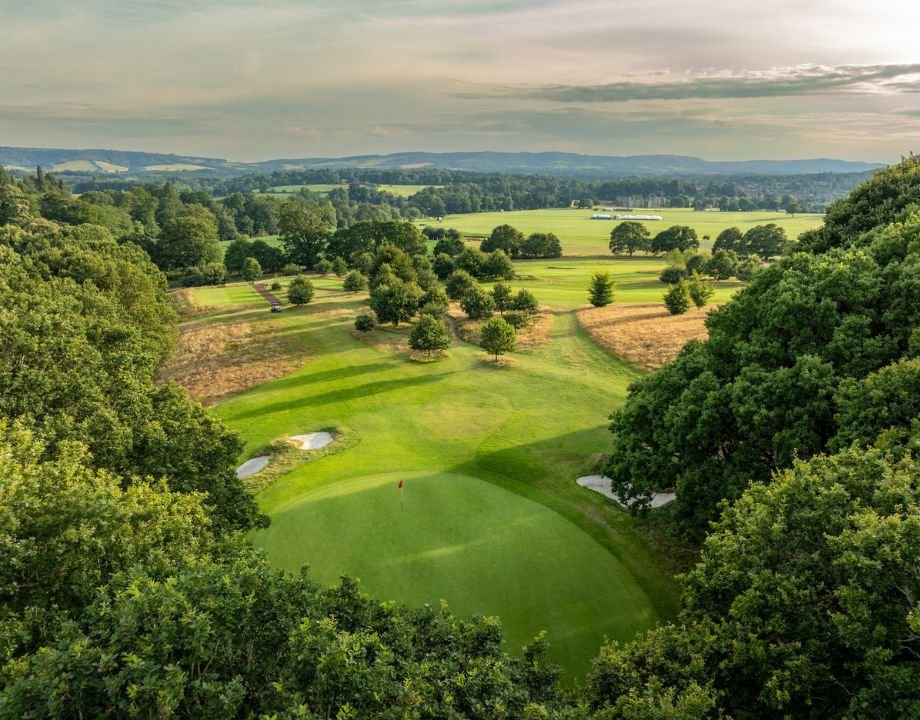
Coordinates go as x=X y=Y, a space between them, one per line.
x=260 y=288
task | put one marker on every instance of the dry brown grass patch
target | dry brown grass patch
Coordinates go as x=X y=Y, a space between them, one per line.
x=215 y=361
x=645 y=334
x=534 y=335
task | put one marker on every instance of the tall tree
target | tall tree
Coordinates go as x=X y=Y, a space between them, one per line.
x=630 y=236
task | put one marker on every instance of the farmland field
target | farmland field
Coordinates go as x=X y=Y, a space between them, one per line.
x=493 y=521
x=580 y=235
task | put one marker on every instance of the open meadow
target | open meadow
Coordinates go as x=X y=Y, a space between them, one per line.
x=491 y=519
x=580 y=235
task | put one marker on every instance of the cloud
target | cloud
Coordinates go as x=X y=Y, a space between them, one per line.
x=781 y=82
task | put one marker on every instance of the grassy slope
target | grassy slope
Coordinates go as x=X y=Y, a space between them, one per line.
x=580 y=235
x=581 y=571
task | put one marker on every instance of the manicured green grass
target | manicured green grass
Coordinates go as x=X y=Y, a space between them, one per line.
x=494 y=522
x=563 y=282
x=580 y=235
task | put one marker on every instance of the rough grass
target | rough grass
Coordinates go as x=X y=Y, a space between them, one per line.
x=216 y=360
x=645 y=334
x=534 y=335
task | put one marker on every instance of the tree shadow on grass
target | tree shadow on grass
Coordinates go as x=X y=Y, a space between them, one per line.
x=545 y=471
x=341 y=395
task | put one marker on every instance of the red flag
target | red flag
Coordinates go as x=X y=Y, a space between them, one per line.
x=400 y=485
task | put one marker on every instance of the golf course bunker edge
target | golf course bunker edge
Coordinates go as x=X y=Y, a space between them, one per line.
x=312 y=441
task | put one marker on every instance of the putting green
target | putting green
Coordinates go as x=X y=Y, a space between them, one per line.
x=483 y=549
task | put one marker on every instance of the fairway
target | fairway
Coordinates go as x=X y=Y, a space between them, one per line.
x=580 y=235
x=494 y=522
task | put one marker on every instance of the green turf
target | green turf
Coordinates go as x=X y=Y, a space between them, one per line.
x=490 y=456
x=580 y=235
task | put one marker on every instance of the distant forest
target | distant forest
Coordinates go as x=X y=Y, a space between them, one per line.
x=455 y=191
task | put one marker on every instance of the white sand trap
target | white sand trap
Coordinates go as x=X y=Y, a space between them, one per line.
x=313 y=441
x=603 y=485
x=251 y=467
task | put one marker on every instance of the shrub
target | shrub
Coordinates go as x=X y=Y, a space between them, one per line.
x=300 y=291
x=365 y=322
x=517 y=319
x=673 y=274
x=339 y=267
x=677 y=298
x=323 y=266
x=354 y=282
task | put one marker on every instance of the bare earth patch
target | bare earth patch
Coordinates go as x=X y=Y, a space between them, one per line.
x=534 y=335
x=214 y=361
x=645 y=334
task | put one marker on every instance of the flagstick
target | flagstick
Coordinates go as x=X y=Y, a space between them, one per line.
x=400 y=499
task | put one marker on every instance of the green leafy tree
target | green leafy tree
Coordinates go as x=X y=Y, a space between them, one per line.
x=235 y=255
x=541 y=245
x=677 y=298
x=305 y=229
x=429 y=334
x=676 y=237
x=817 y=572
x=501 y=296
x=450 y=245
x=630 y=236
x=517 y=319
x=354 y=282
x=442 y=265
x=459 y=283
x=497 y=337
x=434 y=302
x=251 y=270
x=478 y=304
x=300 y=291
x=600 y=291
x=323 y=266
x=188 y=239
x=525 y=301
x=270 y=258
x=397 y=302
x=472 y=261
x=731 y=239
x=722 y=265
x=498 y=265
x=503 y=237
x=765 y=240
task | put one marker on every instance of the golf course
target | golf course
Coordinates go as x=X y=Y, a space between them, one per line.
x=489 y=518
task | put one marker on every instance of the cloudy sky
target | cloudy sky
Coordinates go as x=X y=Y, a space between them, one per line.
x=302 y=78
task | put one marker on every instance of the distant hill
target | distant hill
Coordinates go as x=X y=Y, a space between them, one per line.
x=118 y=162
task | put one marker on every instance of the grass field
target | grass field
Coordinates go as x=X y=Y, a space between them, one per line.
x=493 y=522
x=580 y=235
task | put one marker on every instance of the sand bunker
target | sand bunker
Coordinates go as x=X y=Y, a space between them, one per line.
x=251 y=467
x=313 y=441
x=602 y=484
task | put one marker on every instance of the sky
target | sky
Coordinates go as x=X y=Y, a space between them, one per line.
x=244 y=80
